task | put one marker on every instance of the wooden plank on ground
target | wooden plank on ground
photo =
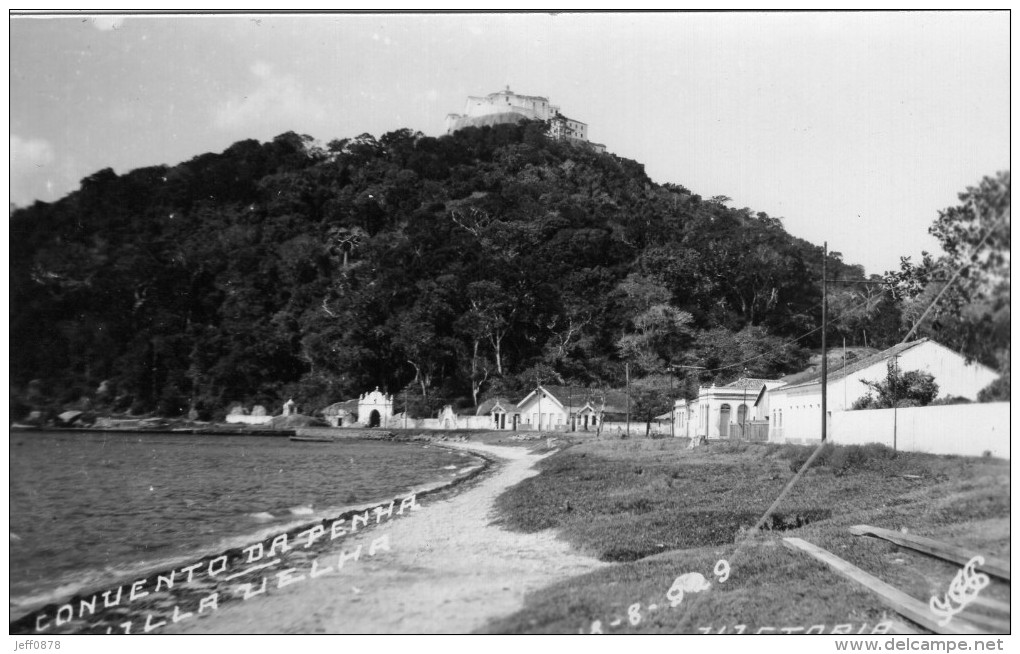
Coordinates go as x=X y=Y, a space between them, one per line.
x=992 y=565
x=895 y=598
x=991 y=604
x=901 y=628
x=992 y=624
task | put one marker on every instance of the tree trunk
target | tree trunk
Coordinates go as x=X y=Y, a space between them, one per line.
x=420 y=378
x=601 y=413
x=497 y=341
x=475 y=384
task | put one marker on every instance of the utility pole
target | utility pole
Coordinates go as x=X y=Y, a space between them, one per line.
x=570 y=408
x=672 y=405
x=895 y=397
x=538 y=389
x=626 y=369
x=743 y=405
x=825 y=326
x=405 y=407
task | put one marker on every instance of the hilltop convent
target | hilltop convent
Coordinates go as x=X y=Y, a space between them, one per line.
x=509 y=107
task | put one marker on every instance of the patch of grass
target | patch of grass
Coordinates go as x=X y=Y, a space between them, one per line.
x=659 y=512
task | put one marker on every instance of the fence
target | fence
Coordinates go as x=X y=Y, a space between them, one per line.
x=754 y=430
x=962 y=429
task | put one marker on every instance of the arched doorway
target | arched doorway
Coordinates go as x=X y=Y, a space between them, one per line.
x=373 y=418
x=724 y=421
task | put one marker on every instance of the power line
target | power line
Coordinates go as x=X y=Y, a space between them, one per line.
x=967 y=263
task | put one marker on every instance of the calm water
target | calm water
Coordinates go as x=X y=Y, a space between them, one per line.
x=87 y=508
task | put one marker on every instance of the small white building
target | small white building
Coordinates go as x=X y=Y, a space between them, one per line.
x=722 y=412
x=341 y=414
x=375 y=409
x=502 y=411
x=567 y=408
x=795 y=409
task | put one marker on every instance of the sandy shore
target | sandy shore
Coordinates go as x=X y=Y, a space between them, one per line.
x=448 y=570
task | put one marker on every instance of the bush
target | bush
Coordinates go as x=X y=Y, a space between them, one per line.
x=798 y=461
x=789 y=452
x=843 y=458
x=728 y=447
x=997 y=391
x=950 y=399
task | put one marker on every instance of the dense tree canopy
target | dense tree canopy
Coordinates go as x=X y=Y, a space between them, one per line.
x=454 y=267
x=962 y=298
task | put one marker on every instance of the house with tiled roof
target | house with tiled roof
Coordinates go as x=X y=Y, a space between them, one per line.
x=573 y=408
x=341 y=414
x=794 y=409
x=722 y=412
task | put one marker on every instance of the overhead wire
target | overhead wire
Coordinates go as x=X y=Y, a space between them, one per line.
x=750 y=533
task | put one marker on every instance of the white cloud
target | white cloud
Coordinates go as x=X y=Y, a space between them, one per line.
x=28 y=153
x=39 y=171
x=278 y=102
x=32 y=170
x=106 y=23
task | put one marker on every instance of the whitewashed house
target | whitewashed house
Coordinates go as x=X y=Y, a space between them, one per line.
x=501 y=411
x=563 y=408
x=723 y=412
x=341 y=414
x=795 y=409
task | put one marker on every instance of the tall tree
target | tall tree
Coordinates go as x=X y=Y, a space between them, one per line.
x=962 y=298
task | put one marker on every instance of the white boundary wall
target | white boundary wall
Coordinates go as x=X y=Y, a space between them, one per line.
x=963 y=429
x=249 y=420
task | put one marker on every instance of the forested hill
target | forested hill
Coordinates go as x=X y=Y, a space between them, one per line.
x=459 y=267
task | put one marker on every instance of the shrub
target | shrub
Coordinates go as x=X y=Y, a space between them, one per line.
x=802 y=457
x=902 y=389
x=997 y=391
x=950 y=399
x=728 y=447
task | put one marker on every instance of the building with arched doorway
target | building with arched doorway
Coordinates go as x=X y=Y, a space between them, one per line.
x=375 y=409
x=723 y=412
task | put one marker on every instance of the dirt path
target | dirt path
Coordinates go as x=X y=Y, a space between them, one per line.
x=447 y=571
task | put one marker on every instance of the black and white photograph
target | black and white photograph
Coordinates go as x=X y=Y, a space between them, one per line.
x=496 y=323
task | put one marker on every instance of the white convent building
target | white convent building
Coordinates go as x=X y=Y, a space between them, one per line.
x=507 y=106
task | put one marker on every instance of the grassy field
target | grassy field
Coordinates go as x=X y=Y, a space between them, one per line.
x=658 y=510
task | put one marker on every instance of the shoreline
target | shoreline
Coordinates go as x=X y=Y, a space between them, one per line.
x=445 y=569
x=23 y=621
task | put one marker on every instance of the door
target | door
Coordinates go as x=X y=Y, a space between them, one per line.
x=373 y=418
x=724 y=421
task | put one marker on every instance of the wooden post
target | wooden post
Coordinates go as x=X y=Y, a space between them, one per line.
x=825 y=326
x=672 y=405
x=992 y=565
x=905 y=605
x=626 y=369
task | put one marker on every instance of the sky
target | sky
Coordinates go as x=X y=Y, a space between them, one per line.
x=854 y=128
